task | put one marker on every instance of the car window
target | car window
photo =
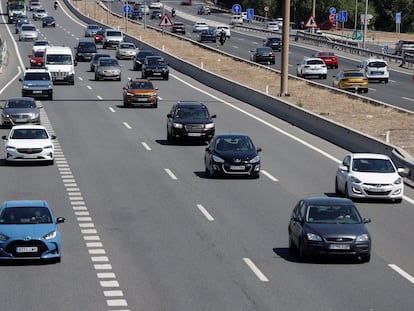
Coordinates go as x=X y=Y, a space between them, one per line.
x=28 y=28
x=25 y=215
x=114 y=34
x=373 y=166
x=377 y=64
x=141 y=85
x=315 y=62
x=234 y=144
x=108 y=62
x=155 y=61
x=39 y=54
x=353 y=74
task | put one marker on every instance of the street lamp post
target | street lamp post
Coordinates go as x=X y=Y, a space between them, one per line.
x=365 y=24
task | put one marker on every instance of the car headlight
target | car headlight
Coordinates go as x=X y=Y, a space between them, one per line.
x=178 y=125
x=355 y=180
x=209 y=125
x=3 y=237
x=313 y=237
x=26 y=87
x=217 y=159
x=50 y=235
x=48 y=147
x=255 y=159
x=362 y=238
x=398 y=181
x=50 y=86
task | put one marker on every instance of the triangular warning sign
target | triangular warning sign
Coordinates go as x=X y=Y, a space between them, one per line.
x=311 y=23
x=166 y=21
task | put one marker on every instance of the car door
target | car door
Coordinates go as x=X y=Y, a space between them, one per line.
x=170 y=119
x=297 y=220
x=342 y=175
x=208 y=153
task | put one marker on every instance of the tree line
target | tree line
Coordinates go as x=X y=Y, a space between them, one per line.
x=383 y=11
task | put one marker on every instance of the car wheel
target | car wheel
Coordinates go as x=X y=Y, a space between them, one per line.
x=346 y=195
x=386 y=81
x=143 y=75
x=366 y=258
x=302 y=252
x=58 y=259
x=50 y=97
x=366 y=91
x=50 y=162
x=324 y=76
x=126 y=104
x=291 y=244
x=166 y=77
x=337 y=192
x=96 y=77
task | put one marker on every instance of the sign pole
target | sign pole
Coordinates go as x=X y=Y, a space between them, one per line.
x=285 y=50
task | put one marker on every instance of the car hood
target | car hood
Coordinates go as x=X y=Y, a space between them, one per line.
x=109 y=68
x=31 y=230
x=337 y=229
x=141 y=91
x=19 y=110
x=160 y=66
x=29 y=143
x=193 y=121
x=233 y=154
x=376 y=178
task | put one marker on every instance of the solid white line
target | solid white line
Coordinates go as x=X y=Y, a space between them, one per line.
x=146 y=146
x=171 y=174
x=402 y=273
x=268 y=175
x=111 y=109
x=409 y=99
x=80 y=78
x=205 y=212
x=256 y=270
x=127 y=125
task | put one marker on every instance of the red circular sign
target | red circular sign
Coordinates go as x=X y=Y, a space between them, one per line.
x=331 y=18
x=266 y=9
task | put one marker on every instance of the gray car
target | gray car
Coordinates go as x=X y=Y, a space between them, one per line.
x=20 y=110
x=126 y=50
x=107 y=68
x=95 y=59
x=28 y=32
x=37 y=83
x=91 y=30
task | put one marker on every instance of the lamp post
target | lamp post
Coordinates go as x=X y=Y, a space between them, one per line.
x=285 y=50
x=313 y=14
x=365 y=24
x=356 y=14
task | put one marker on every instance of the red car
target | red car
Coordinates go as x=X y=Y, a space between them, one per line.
x=330 y=59
x=99 y=37
x=36 y=60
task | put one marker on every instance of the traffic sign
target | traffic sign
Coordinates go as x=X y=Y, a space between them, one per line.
x=332 y=17
x=266 y=9
x=250 y=14
x=332 y=10
x=236 y=8
x=166 y=21
x=311 y=23
x=344 y=16
x=398 y=18
x=126 y=8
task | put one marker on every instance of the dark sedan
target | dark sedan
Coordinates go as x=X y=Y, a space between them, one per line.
x=155 y=66
x=207 y=35
x=329 y=226
x=48 y=21
x=232 y=155
x=263 y=54
x=140 y=57
x=20 y=110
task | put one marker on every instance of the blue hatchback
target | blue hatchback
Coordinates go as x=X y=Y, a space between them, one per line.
x=28 y=230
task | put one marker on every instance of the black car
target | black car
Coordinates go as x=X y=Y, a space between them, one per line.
x=275 y=43
x=329 y=226
x=263 y=54
x=85 y=50
x=208 y=35
x=155 y=66
x=232 y=155
x=48 y=21
x=156 y=14
x=178 y=27
x=140 y=57
x=190 y=120
x=95 y=59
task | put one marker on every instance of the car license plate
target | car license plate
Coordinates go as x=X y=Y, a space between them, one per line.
x=25 y=249
x=237 y=167
x=376 y=189
x=37 y=92
x=194 y=134
x=339 y=246
x=142 y=99
x=23 y=120
x=157 y=73
x=30 y=156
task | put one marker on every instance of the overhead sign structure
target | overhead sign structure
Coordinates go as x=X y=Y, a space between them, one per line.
x=166 y=21
x=311 y=23
x=236 y=8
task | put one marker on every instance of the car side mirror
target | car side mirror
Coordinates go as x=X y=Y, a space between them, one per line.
x=169 y=115
x=4 y=137
x=366 y=220
x=20 y=79
x=213 y=116
x=344 y=168
x=60 y=220
x=75 y=63
x=259 y=149
x=53 y=136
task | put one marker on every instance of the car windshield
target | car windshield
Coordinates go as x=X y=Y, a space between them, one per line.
x=39 y=54
x=142 y=55
x=315 y=62
x=108 y=62
x=377 y=64
x=353 y=74
x=114 y=34
x=155 y=61
x=263 y=50
x=58 y=59
x=92 y=27
x=98 y=56
x=372 y=166
x=29 y=134
x=41 y=43
x=324 y=54
x=28 y=28
x=142 y=85
x=126 y=46
x=329 y=214
x=25 y=215
x=234 y=144
x=20 y=104
x=37 y=76
x=192 y=113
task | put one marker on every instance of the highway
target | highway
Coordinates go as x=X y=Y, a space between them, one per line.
x=146 y=230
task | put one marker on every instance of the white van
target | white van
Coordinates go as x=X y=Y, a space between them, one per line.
x=60 y=63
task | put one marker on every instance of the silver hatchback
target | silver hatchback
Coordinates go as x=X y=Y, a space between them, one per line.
x=28 y=32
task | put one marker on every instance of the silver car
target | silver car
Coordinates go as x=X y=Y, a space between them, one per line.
x=28 y=32
x=91 y=30
x=39 y=13
x=107 y=68
x=20 y=110
x=126 y=50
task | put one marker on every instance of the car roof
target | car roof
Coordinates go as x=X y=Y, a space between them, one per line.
x=374 y=60
x=370 y=156
x=328 y=200
x=28 y=126
x=25 y=203
x=21 y=98
x=232 y=135
x=190 y=104
x=42 y=70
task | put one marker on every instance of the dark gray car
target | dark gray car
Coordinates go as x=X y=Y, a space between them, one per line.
x=108 y=68
x=37 y=83
x=20 y=110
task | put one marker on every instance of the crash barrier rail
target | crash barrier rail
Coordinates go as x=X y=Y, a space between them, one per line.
x=4 y=54
x=331 y=131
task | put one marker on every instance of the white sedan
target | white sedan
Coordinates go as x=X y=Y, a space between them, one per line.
x=312 y=67
x=29 y=143
x=40 y=45
x=369 y=175
x=155 y=5
x=199 y=26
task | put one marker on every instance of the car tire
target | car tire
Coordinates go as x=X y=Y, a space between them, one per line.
x=366 y=258
x=58 y=259
x=143 y=76
x=166 y=77
x=337 y=192
x=50 y=97
x=126 y=104
x=346 y=195
x=50 y=162
x=292 y=245
x=302 y=252
x=324 y=76
x=386 y=81
x=96 y=77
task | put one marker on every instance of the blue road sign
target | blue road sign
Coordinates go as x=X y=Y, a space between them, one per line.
x=332 y=10
x=344 y=16
x=250 y=14
x=236 y=8
x=126 y=8
x=398 y=18
x=337 y=17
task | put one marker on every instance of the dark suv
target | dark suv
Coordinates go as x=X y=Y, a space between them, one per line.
x=189 y=120
x=178 y=27
x=273 y=42
x=85 y=50
x=155 y=66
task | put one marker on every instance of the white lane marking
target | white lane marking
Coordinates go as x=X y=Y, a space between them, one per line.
x=117 y=303
x=171 y=174
x=205 y=212
x=106 y=275
x=89 y=87
x=268 y=175
x=235 y=46
x=111 y=109
x=256 y=270
x=146 y=146
x=96 y=251
x=94 y=244
x=99 y=259
x=291 y=136
x=109 y=283
x=407 y=98
x=106 y=266
x=99 y=97
x=113 y=293
x=402 y=272
x=127 y=125
x=371 y=89
x=389 y=80
x=80 y=78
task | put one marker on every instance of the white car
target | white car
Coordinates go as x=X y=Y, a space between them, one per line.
x=236 y=19
x=29 y=143
x=40 y=45
x=39 y=13
x=28 y=32
x=220 y=28
x=272 y=26
x=375 y=69
x=155 y=5
x=312 y=67
x=369 y=175
x=200 y=25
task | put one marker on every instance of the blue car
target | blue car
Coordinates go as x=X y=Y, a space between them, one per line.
x=28 y=230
